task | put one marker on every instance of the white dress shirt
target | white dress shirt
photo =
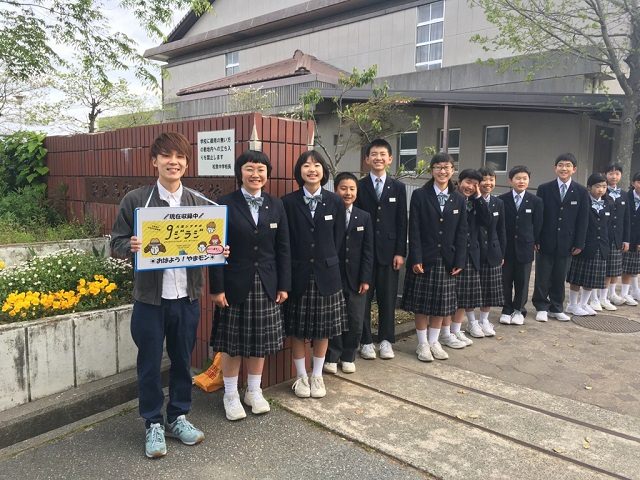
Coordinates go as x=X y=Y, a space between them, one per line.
x=174 y=280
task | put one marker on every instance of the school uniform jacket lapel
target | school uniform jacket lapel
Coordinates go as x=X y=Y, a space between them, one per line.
x=431 y=195
x=241 y=204
x=265 y=212
x=304 y=207
x=320 y=207
x=368 y=186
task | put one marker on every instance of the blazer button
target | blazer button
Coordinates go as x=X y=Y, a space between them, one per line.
x=442 y=219
x=255 y=247
x=255 y=264
x=379 y=207
x=558 y=228
x=515 y=236
x=347 y=237
x=255 y=231
x=561 y=208
x=440 y=232
x=346 y=260
x=598 y=237
x=439 y=245
x=312 y=229
x=313 y=245
x=312 y=260
x=559 y=218
x=378 y=220
x=346 y=249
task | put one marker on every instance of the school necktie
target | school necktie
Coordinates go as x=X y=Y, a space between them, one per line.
x=348 y=217
x=254 y=202
x=597 y=205
x=637 y=203
x=469 y=205
x=378 y=187
x=518 y=200
x=563 y=191
x=313 y=201
x=615 y=193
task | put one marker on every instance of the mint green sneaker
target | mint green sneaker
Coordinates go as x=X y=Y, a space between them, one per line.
x=155 y=446
x=184 y=431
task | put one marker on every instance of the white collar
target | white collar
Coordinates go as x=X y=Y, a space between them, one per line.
x=374 y=178
x=438 y=191
x=244 y=192
x=165 y=194
x=560 y=183
x=516 y=194
x=635 y=195
x=307 y=193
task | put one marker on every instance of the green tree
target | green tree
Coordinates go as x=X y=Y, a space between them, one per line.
x=18 y=99
x=31 y=32
x=381 y=115
x=604 y=31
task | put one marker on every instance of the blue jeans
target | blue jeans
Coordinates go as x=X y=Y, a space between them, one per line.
x=177 y=321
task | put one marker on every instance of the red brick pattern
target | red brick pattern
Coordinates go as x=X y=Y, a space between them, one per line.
x=125 y=153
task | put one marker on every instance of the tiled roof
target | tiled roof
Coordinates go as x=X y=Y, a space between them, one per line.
x=299 y=64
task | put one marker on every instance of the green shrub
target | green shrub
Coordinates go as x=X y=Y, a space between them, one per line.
x=22 y=160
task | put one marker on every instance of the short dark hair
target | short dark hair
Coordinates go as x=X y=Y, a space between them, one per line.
x=251 y=156
x=518 y=169
x=168 y=142
x=344 y=176
x=487 y=171
x=636 y=177
x=302 y=159
x=595 y=178
x=441 y=157
x=470 y=173
x=613 y=166
x=379 y=142
x=570 y=157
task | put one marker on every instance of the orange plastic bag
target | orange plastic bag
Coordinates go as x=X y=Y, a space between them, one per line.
x=211 y=379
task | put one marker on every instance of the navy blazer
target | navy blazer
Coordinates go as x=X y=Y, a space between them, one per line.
x=597 y=233
x=262 y=248
x=434 y=233
x=315 y=242
x=620 y=219
x=492 y=234
x=634 y=222
x=523 y=226
x=477 y=216
x=388 y=216
x=356 y=254
x=564 y=225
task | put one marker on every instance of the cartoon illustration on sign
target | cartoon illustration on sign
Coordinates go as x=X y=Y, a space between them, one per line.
x=155 y=247
x=215 y=247
x=202 y=246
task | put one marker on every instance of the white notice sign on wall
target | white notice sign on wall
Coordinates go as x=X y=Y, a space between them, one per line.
x=216 y=153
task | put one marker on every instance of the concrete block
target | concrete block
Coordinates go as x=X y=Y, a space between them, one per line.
x=14 y=379
x=127 y=350
x=50 y=356
x=95 y=345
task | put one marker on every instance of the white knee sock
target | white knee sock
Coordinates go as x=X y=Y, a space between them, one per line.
x=422 y=336
x=471 y=317
x=445 y=331
x=301 y=368
x=595 y=295
x=573 y=297
x=584 y=296
x=455 y=327
x=624 y=290
x=634 y=283
x=317 y=366
x=612 y=289
x=253 y=382
x=433 y=334
x=230 y=384
x=602 y=294
x=484 y=317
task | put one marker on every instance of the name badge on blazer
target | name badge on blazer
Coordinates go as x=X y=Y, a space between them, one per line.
x=360 y=228
x=328 y=217
x=495 y=214
x=392 y=199
x=606 y=214
x=574 y=202
x=273 y=225
x=527 y=210
x=455 y=212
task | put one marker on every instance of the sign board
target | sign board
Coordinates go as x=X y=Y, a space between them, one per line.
x=216 y=153
x=180 y=237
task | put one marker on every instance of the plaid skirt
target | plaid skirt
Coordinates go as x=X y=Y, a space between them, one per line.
x=587 y=272
x=491 y=283
x=249 y=329
x=468 y=288
x=431 y=293
x=614 y=262
x=631 y=263
x=315 y=316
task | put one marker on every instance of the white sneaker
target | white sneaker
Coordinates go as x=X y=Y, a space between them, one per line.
x=628 y=300
x=232 y=406
x=437 y=351
x=517 y=319
x=571 y=308
x=463 y=338
x=541 y=316
x=596 y=305
x=589 y=308
x=386 y=350
x=424 y=352
x=475 y=330
x=487 y=329
x=301 y=387
x=256 y=401
x=580 y=311
x=368 y=351
x=505 y=319
x=635 y=294
x=330 y=367
x=607 y=305
x=451 y=341
x=616 y=299
x=348 y=367
x=561 y=317
x=317 y=387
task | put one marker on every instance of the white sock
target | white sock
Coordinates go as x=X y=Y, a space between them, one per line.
x=422 y=336
x=455 y=327
x=573 y=297
x=484 y=317
x=624 y=290
x=584 y=296
x=433 y=334
x=230 y=384
x=612 y=289
x=595 y=295
x=318 y=362
x=253 y=382
x=301 y=368
x=445 y=331
x=602 y=294
x=634 y=283
x=471 y=316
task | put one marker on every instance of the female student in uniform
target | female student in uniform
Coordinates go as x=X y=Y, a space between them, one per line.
x=316 y=308
x=588 y=269
x=248 y=291
x=437 y=252
x=631 y=259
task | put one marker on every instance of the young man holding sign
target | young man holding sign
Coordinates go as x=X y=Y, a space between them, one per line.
x=166 y=302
